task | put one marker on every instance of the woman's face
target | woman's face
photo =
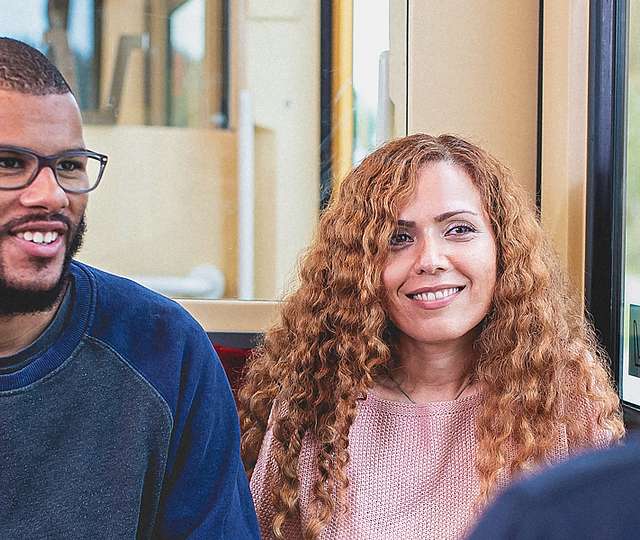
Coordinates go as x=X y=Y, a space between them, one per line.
x=441 y=270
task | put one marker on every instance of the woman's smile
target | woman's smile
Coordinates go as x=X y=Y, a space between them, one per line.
x=435 y=297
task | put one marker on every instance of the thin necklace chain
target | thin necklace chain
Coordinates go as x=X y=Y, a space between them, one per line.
x=399 y=387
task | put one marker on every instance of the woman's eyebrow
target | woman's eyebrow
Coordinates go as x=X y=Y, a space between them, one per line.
x=406 y=224
x=447 y=215
x=439 y=218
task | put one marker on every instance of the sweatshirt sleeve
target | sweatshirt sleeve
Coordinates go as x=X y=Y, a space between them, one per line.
x=264 y=476
x=205 y=492
x=507 y=519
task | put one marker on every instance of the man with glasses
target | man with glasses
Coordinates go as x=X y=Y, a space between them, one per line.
x=116 y=419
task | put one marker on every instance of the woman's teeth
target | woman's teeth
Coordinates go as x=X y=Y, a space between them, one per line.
x=437 y=295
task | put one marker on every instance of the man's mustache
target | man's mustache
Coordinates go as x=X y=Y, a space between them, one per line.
x=35 y=218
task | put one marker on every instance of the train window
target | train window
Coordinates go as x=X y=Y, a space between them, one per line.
x=631 y=313
x=188 y=95
x=612 y=261
x=66 y=32
x=372 y=102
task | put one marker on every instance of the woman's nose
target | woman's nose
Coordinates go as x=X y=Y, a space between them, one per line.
x=432 y=258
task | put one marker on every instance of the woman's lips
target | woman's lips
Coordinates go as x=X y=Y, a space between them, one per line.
x=433 y=298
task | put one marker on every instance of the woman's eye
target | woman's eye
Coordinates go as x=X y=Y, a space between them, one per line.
x=399 y=238
x=461 y=230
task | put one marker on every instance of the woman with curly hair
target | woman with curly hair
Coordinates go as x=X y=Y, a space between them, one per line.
x=430 y=353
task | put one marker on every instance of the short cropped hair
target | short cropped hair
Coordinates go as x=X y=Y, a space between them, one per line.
x=26 y=70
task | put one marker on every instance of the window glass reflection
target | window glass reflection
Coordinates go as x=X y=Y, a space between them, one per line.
x=65 y=32
x=186 y=57
x=371 y=103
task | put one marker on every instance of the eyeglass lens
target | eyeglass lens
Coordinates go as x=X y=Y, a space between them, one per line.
x=75 y=173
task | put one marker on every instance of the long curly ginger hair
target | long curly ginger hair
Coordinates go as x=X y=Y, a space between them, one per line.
x=538 y=357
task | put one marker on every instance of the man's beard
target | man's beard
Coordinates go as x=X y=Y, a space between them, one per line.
x=15 y=300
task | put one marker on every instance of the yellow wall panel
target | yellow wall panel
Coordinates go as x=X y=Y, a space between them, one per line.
x=473 y=72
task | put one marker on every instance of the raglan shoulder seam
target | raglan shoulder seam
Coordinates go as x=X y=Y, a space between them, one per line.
x=140 y=376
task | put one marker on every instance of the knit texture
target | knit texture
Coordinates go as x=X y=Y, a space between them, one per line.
x=412 y=472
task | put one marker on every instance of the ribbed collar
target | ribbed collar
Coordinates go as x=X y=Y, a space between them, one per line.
x=79 y=322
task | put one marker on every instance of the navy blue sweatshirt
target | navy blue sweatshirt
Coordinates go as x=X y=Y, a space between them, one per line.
x=123 y=427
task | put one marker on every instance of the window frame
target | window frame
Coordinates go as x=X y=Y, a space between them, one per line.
x=606 y=177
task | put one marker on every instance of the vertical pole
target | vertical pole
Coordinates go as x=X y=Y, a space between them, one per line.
x=246 y=196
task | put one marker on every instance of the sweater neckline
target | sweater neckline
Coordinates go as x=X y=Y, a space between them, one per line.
x=432 y=408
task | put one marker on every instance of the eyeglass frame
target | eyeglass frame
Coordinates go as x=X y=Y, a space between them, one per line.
x=49 y=161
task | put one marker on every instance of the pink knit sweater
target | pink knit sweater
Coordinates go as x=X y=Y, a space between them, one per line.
x=412 y=473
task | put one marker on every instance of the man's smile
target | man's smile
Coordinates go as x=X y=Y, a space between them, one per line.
x=38 y=236
x=39 y=244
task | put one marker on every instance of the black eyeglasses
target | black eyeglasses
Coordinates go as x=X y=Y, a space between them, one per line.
x=76 y=171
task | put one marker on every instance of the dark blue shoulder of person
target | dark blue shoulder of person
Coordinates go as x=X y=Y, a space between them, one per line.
x=153 y=333
x=592 y=495
x=206 y=493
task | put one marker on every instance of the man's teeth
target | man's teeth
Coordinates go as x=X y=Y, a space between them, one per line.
x=38 y=237
x=438 y=295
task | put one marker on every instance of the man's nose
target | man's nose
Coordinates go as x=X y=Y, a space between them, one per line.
x=432 y=257
x=44 y=192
